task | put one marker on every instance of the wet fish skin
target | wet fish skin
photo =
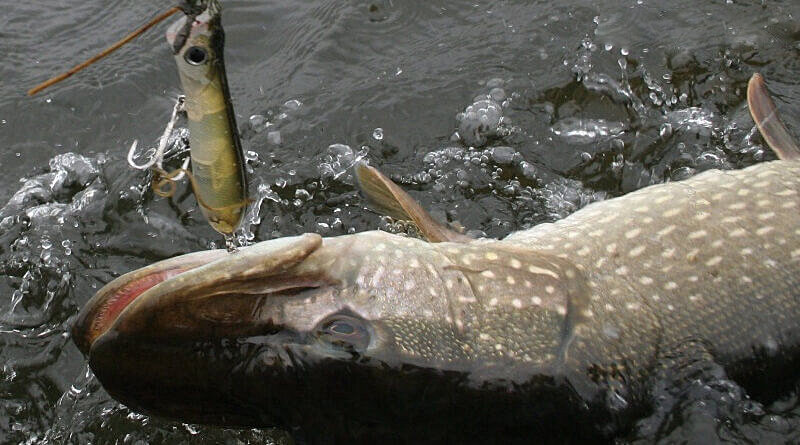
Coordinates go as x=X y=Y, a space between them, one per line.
x=563 y=326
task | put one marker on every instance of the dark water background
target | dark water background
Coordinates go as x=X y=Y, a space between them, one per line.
x=599 y=98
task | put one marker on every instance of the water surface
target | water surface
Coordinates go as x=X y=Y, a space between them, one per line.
x=597 y=99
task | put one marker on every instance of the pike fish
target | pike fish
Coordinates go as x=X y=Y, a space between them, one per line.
x=556 y=331
x=218 y=171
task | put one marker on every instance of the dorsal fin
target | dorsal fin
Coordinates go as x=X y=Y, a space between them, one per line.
x=388 y=198
x=765 y=115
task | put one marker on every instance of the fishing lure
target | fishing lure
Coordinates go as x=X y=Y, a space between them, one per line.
x=217 y=175
x=218 y=170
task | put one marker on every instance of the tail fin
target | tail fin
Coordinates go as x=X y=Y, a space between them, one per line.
x=390 y=199
x=765 y=115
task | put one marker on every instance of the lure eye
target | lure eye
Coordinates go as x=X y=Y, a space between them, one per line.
x=345 y=332
x=195 y=55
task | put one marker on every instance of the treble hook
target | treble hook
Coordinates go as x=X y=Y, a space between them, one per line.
x=158 y=157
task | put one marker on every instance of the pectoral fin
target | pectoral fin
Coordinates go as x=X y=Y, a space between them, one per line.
x=765 y=115
x=388 y=198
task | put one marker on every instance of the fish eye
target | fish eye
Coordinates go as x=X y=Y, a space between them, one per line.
x=344 y=331
x=195 y=55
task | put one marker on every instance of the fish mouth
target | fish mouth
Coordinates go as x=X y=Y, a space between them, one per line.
x=163 y=299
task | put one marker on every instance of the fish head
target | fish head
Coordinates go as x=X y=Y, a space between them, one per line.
x=273 y=332
x=344 y=297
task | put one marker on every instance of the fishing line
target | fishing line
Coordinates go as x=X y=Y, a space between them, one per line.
x=106 y=51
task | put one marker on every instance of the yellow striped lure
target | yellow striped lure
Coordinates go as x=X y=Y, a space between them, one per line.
x=218 y=171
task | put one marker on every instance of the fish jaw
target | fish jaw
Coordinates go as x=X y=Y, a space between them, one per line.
x=175 y=297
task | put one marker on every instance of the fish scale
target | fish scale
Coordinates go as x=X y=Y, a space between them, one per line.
x=681 y=277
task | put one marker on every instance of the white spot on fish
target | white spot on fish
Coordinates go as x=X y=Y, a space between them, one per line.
x=542 y=271
x=737 y=206
x=549 y=289
x=584 y=251
x=611 y=248
x=562 y=310
x=609 y=307
x=718 y=243
x=463 y=299
x=448 y=283
x=698 y=234
x=621 y=270
x=516 y=303
x=536 y=300
x=646 y=280
x=528 y=284
x=671 y=212
x=746 y=279
x=636 y=251
x=731 y=219
x=493 y=302
x=633 y=233
x=693 y=278
x=668 y=253
x=491 y=256
x=488 y=274
x=427 y=313
x=766 y=216
x=788 y=204
x=743 y=192
x=737 y=233
x=642 y=209
x=414 y=263
x=408 y=285
x=656 y=297
x=662 y=199
x=787 y=192
x=597 y=233
x=510 y=279
x=632 y=306
x=701 y=216
x=607 y=219
x=714 y=261
x=671 y=285
x=484 y=336
x=747 y=251
x=600 y=262
x=795 y=253
x=515 y=263
x=764 y=230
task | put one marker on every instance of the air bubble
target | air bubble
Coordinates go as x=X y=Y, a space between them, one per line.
x=377 y=134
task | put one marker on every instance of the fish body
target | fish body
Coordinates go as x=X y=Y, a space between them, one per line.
x=219 y=181
x=556 y=331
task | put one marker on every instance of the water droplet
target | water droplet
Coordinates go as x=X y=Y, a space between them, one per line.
x=293 y=104
x=274 y=137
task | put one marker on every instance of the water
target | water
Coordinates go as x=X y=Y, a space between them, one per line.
x=596 y=99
